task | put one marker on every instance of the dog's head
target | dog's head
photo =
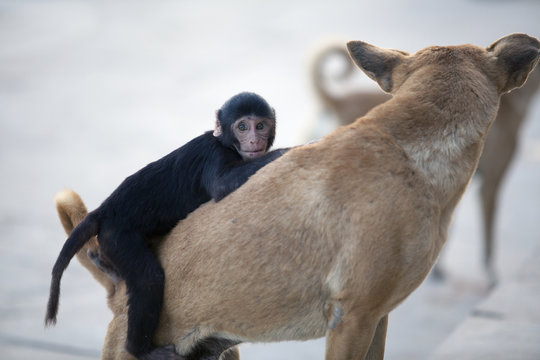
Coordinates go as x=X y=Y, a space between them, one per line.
x=506 y=63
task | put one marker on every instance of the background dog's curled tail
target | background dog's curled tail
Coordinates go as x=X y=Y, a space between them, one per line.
x=320 y=75
x=70 y=210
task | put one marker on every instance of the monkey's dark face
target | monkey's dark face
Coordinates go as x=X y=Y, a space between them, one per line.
x=252 y=134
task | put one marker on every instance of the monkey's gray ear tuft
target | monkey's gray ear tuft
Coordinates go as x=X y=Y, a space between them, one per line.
x=516 y=56
x=376 y=62
x=217 y=129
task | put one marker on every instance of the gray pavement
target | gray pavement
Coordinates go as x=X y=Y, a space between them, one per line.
x=506 y=325
x=90 y=91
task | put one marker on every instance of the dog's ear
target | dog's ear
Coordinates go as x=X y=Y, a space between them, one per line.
x=515 y=56
x=377 y=63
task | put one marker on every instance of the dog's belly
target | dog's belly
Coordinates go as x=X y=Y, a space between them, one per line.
x=308 y=326
x=310 y=323
x=282 y=313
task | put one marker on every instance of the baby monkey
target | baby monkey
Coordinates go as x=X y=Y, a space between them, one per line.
x=149 y=203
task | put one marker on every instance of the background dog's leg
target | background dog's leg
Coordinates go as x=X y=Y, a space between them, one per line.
x=498 y=152
x=376 y=350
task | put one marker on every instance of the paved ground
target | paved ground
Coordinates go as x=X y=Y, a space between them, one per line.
x=90 y=91
x=505 y=325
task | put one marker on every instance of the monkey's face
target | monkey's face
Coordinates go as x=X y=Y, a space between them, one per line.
x=252 y=133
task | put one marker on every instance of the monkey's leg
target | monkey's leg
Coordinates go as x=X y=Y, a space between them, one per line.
x=497 y=156
x=144 y=279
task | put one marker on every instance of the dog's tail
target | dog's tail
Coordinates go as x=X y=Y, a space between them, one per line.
x=81 y=227
x=71 y=209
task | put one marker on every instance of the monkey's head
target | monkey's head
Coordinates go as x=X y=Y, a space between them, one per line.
x=246 y=123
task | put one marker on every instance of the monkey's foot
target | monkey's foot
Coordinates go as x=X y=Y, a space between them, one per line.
x=162 y=353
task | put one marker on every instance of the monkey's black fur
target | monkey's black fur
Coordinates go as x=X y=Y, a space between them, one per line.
x=149 y=203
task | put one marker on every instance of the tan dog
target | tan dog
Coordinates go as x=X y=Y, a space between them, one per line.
x=498 y=150
x=330 y=238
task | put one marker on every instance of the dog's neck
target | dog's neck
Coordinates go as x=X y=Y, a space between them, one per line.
x=443 y=136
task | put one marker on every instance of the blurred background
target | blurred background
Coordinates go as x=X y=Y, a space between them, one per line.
x=91 y=91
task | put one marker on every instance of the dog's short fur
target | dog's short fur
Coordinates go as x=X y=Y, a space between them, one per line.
x=331 y=237
x=498 y=150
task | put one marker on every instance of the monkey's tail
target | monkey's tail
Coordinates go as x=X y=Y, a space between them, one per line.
x=76 y=240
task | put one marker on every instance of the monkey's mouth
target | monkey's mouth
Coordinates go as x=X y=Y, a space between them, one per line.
x=252 y=154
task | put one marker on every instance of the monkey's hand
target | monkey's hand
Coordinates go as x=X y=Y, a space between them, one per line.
x=225 y=184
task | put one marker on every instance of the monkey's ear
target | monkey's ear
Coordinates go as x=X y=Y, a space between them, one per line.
x=515 y=57
x=218 y=130
x=376 y=62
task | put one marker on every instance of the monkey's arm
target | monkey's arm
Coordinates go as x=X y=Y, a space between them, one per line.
x=235 y=175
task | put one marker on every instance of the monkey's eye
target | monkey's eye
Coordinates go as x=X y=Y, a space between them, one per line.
x=242 y=127
x=260 y=126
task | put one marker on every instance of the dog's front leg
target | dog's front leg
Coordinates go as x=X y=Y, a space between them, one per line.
x=353 y=337
x=376 y=349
